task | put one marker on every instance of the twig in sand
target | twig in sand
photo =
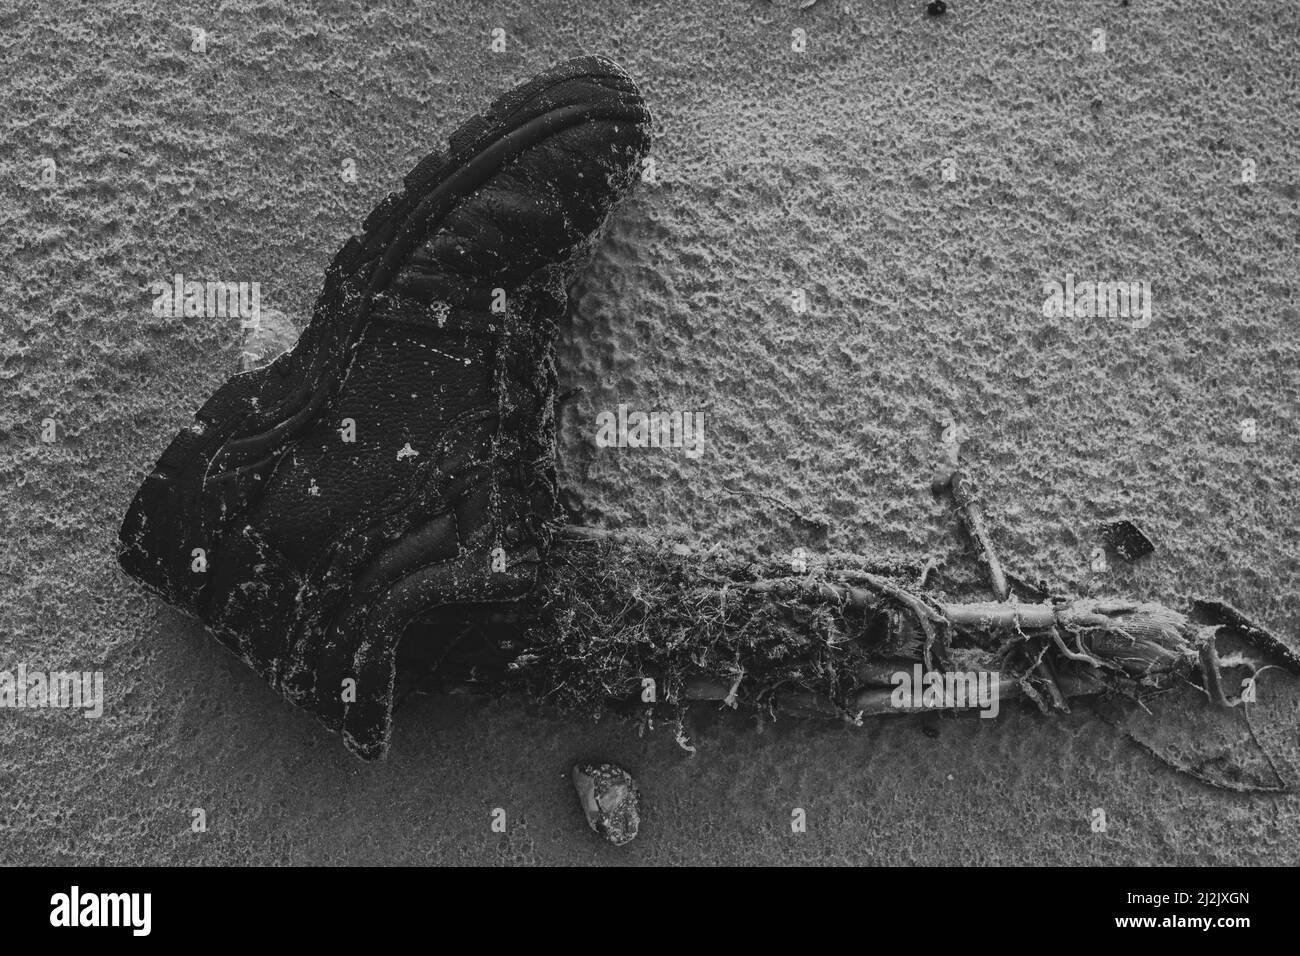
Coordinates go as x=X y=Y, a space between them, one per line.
x=972 y=516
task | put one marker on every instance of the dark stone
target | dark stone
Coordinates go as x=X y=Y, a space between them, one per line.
x=1128 y=540
x=936 y=8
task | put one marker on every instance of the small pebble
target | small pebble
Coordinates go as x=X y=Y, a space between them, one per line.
x=1128 y=540
x=609 y=798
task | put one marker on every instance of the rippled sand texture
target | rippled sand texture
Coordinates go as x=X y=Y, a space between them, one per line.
x=778 y=171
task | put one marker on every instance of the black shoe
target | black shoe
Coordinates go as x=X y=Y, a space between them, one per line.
x=431 y=346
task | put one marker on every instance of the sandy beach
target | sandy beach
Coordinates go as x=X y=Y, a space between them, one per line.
x=918 y=180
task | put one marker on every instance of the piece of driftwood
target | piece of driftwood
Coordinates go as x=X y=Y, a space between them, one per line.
x=623 y=621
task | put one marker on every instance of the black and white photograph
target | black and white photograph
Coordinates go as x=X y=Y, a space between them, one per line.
x=734 y=433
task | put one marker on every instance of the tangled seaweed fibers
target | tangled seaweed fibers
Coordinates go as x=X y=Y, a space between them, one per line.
x=616 y=610
x=623 y=621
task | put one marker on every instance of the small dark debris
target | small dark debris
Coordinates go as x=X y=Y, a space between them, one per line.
x=1219 y=613
x=1128 y=540
x=936 y=8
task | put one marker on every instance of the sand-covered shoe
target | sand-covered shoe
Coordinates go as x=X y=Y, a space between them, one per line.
x=401 y=456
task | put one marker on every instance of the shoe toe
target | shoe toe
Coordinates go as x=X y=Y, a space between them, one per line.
x=574 y=147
